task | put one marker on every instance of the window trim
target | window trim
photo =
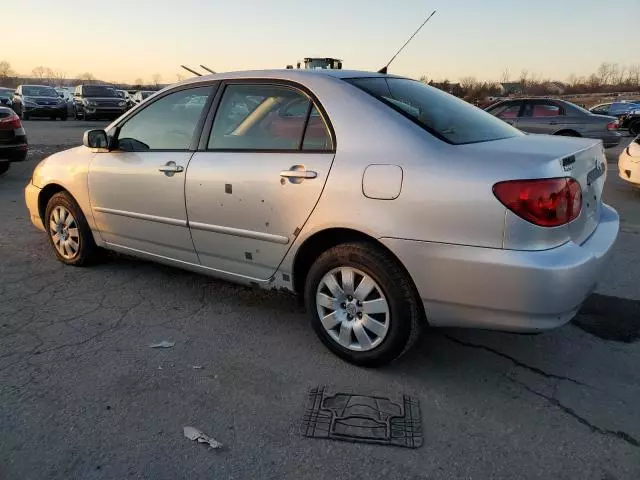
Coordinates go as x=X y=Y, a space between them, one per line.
x=544 y=101
x=215 y=104
x=114 y=131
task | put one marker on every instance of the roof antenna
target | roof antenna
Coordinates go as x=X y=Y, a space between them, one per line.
x=384 y=69
x=208 y=69
x=192 y=71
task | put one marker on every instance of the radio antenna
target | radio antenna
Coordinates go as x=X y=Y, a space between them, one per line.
x=384 y=69
x=208 y=69
x=192 y=71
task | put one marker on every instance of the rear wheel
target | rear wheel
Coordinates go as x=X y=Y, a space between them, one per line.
x=362 y=303
x=25 y=116
x=68 y=231
x=4 y=166
x=567 y=133
x=634 y=128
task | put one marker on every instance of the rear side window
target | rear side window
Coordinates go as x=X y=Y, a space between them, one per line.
x=541 y=109
x=445 y=116
x=267 y=117
x=506 y=110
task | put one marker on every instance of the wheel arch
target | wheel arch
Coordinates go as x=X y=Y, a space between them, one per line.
x=568 y=132
x=323 y=240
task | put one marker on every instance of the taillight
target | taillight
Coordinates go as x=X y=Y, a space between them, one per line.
x=613 y=125
x=11 y=122
x=548 y=202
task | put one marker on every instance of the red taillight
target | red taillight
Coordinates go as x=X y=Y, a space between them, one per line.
x=548 y=202
x=613 y=125
x=11 y=122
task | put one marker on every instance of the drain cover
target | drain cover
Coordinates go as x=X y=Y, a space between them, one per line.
x=361 y=418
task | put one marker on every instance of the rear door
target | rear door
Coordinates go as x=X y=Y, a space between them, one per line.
x=542 y=116
x=257 y=176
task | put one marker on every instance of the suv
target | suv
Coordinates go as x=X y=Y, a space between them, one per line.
x=93 y=101
x=39 y=101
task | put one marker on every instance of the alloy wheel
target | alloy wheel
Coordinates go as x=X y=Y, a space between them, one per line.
x=63 y=229
x=353 y=309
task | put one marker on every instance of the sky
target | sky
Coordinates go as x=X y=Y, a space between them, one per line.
x=123 y=40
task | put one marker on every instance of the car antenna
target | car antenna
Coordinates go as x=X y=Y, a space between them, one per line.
x=192 y=71
x=384 y=69
x=208 y=69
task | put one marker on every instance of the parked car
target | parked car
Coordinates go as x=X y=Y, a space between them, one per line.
x=627 y=112
x=126 y=97
x=13 y=139
x=387 y=204
x=557 y=117
x=39 y=101
x=629 y=163
x=97 y=101
x=6 y=97
x=140 y=95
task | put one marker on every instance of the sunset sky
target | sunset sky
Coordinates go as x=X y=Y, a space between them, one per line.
x=122 y=40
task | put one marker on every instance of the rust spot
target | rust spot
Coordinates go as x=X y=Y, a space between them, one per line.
x=296 y=232
x=228 y=188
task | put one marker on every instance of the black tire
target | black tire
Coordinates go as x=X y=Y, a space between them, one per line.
x=87 y=251
x=567 y=134
x=405 y=310
x=25 y=116
x=64 y=117
x=634 y=128
x=4 y=166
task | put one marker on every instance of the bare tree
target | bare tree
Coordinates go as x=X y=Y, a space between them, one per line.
x=86 y=77
x=179 y=77
x=138 y=81
x=605 y=73
x=58 y=77
x=633 y=77
x=424 y=79
x=469 y=83
x=506 y=75
x=524 y=80
x=156 y=79
x=5 y=70
x=39 y=72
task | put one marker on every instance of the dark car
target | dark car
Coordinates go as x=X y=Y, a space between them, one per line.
x=13 y=139
x=557 y=117
x=627 y=112
x=6 y=97
x=39 y=101
x=97 y=101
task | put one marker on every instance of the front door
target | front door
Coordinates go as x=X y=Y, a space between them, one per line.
x=254 y=186
x=137 y=190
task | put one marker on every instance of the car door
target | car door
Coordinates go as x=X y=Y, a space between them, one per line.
x=257 y=177
x=507 y=111
x=137 y=188
x=542 y=116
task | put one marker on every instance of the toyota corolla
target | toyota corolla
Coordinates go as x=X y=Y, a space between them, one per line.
x=387 y=204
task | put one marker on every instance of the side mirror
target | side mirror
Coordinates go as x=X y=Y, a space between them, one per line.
x=95 y=139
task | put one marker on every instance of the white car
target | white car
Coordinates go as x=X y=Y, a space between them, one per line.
x=629 y=163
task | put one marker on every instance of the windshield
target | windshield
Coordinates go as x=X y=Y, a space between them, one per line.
x=97 y=91
x=443 y=115
x=5 y=93
x=29 y=91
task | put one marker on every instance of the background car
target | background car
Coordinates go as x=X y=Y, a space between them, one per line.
x=629 y=163
x=384 y=202
x=615 y=109
x=6 y=97
x=557 y=117
x=97 y=101
x=126 y=97
x=39 y=101
x=140 y=95
x=13 y=139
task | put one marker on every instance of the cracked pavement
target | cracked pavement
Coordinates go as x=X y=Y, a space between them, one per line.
x=83 y=396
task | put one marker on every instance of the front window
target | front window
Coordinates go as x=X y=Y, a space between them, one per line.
x=97 y=91
x=506 y=110
x=35 y=91
x=443 y=115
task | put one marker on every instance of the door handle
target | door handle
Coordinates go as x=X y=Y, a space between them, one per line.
x=170 y=169
x=297 y=174
x=553 y=123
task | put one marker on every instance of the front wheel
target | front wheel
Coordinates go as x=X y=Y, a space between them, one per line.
x=68 y=231
x=634 y=128
x=363 y=305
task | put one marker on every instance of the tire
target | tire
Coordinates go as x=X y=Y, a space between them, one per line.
x=64 y=117
x=77 y=230
x=77 y=115
x=25 y=116
x=396 y=330
x=567 y=134
x=634 y=128
x=4 y=166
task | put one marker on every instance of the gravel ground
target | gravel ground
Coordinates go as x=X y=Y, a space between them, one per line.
x=83 y=396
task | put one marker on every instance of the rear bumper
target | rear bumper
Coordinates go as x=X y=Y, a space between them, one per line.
x=31 y=194
x=629 y=170
x=13 y=153
x=508 y=290
x=609 y=138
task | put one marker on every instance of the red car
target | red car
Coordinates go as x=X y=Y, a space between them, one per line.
x=13 y=139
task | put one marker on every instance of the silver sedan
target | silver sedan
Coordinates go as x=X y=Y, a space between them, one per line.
x=387 y=204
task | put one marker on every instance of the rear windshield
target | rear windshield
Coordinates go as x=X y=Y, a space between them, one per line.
x=97 y=91
x=31 y=91
x=445 y=116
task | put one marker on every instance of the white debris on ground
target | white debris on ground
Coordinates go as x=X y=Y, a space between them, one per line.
x=196 y=367
x=163 y=344
x=194 y=434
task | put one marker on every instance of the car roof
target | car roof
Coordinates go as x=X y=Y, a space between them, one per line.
x=286 y=74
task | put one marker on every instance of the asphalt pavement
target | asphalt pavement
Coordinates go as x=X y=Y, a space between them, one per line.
x=82 y=395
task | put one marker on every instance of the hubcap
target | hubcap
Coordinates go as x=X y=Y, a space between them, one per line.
x=64 y=232
x=352 y=309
